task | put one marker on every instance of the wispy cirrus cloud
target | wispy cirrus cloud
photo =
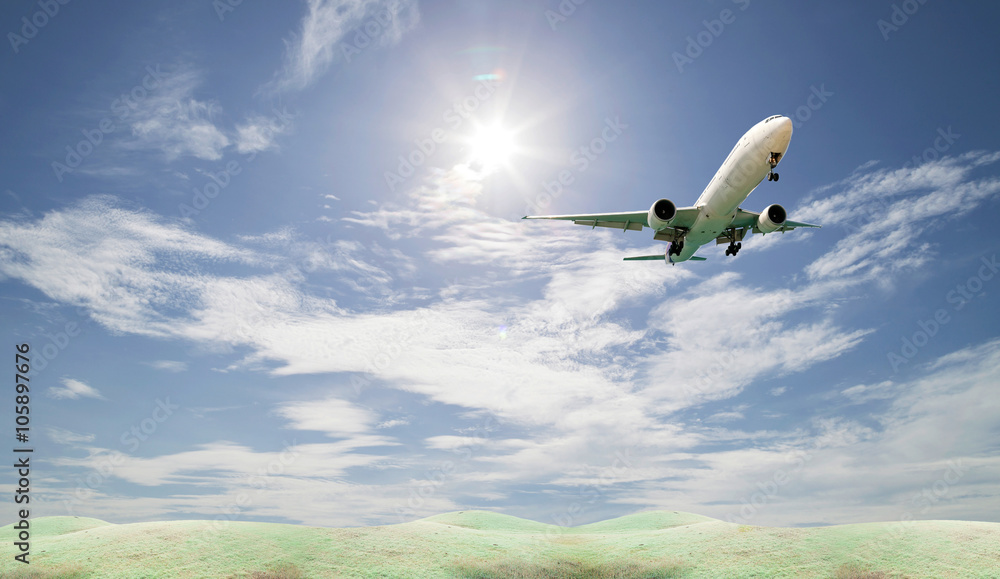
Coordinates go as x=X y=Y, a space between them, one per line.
x=258 y=133
x=73 y=389
x=115 y=262
x=323 y=37
x=179 y=121
x=169 y=365
x=888 y=211
x=548 y=344
x=824 y=468
x=174 y=121
x=67 y=437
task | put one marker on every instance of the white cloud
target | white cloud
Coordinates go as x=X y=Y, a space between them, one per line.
x=863 y=393
x=115 y=262
x=887 y=212
x=172 y=120
x=257 y=134
x=73 y=389
x=323 y=37
x=935 y=436
x=212 y=463
x=335 y=417
x=573 y=380
x=202 y=411
x=67 y=437
x=169 y=365
x=741 y=334
x=729 y=415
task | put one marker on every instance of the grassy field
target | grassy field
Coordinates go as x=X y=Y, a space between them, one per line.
x=487 y=545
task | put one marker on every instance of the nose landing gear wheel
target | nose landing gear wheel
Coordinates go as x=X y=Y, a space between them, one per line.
x=773 y=162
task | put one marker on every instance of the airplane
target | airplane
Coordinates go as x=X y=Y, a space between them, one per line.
x=716 y=215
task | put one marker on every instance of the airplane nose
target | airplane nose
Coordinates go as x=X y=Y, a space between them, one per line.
x=781 y=134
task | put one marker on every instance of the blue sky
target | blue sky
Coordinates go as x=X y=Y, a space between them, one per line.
x=244 y=305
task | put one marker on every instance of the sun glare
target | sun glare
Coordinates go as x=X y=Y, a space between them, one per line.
x=492 y=146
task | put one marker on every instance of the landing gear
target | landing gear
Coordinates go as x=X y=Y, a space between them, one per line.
x=734 y=246
x=773 y=162
x=676 y=248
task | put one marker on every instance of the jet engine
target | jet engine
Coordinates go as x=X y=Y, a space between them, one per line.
x=661 y=214
x=771 y=219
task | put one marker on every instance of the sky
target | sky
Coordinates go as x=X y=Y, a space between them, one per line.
x=269 y=261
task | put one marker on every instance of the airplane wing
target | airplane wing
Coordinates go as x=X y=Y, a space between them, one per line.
x=745 y=223
x=749 y=219
x=633 y=220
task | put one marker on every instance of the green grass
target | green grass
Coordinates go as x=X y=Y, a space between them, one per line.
x=519 y=569
x=486 y=545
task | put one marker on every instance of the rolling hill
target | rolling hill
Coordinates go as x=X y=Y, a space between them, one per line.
x=486 y=545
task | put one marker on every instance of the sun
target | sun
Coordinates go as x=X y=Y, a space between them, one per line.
x=492 y=146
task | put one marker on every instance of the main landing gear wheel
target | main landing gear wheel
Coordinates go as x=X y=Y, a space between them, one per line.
x=734 y=248
x=676 y=248
x=772 y=176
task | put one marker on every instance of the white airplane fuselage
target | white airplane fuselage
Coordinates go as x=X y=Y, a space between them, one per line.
x=747 y=165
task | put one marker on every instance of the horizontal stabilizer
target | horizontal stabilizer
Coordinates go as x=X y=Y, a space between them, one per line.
x=651 y=257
